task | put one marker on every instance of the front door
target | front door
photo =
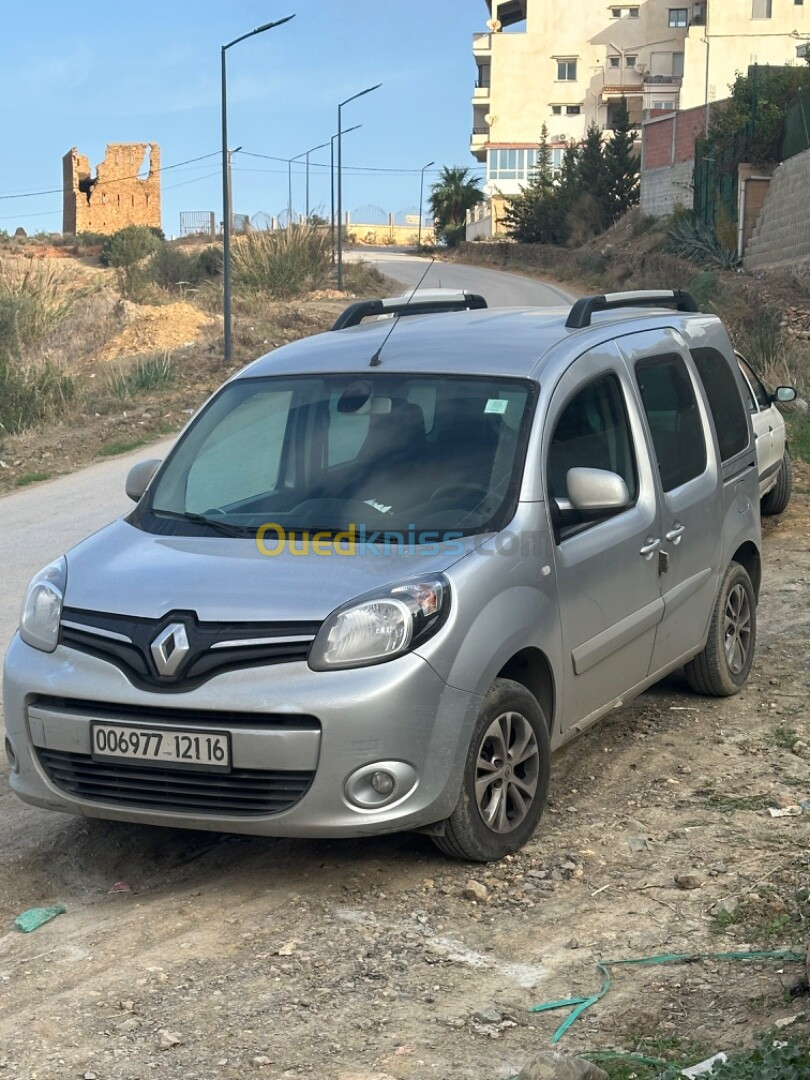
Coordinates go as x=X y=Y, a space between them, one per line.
x=607 y=567
x=680 y=434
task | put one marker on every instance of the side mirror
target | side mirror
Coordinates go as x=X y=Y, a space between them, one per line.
x=139 y=476
x=784 y=394
x=597 y=490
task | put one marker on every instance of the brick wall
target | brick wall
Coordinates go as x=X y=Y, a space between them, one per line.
x=668 y=159
x=115 y=197
x=781 y=236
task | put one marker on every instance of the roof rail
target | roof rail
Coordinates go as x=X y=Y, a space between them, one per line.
x=430 y=304
x=583 y=309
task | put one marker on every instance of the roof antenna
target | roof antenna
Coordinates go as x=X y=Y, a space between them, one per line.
x=376 y=359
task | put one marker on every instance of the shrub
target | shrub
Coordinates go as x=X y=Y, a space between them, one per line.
x=142 y=377
x=32 y=301
x=126 y=251
x=283 y=263
x=693 y=239
x=171 y=266
x=28 y=393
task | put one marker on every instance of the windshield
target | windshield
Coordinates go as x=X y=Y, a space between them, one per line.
x=379 y=452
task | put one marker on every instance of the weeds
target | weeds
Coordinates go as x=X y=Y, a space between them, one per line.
x=113 y=449
x=31 y=478
x=32 y=301
x=283 y=263
x=142 y=378
x=28 y=393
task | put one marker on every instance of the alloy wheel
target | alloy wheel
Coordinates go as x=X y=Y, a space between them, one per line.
x=507 y=772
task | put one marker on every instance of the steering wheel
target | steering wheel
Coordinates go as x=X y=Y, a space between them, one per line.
x=446 y=491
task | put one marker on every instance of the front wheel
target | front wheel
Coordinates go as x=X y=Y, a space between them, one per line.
x=722 y=668
x=505 y=778
x=778 y=497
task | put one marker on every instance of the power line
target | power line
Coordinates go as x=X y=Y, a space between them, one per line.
x=117 y=180
x=348 y=168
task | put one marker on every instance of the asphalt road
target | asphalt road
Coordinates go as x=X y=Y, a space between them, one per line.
x=42 y=522
x=500 y=288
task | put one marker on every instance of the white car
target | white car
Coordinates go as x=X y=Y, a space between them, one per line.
x=773 y=458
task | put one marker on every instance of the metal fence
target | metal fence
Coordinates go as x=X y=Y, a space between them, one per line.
x=715 y=178
x=198 y=223
x=797 y=126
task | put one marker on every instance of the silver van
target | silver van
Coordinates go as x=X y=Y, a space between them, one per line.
x=386 y=570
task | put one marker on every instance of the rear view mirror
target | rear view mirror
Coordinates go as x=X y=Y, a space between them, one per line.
x=139 y=476
x=784 y=394
x=593 y=490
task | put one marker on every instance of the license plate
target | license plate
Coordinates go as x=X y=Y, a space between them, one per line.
x=170 y=747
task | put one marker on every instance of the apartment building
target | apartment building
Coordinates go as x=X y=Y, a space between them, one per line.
x=565 y=65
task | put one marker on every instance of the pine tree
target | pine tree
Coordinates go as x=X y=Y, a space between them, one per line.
x=594 y=197
x=623 y=165
x=531 y=216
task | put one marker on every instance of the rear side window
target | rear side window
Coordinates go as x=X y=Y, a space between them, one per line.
x=673 y=417
x=723 y=395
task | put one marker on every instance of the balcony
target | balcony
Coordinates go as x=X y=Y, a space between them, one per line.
x=482 y=44
x=481 y=93
x=478 y=142
x=663 y=80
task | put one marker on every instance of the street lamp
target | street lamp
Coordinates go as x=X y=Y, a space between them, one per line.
x=226 y=185
x=421 y=193
x=340 y=181
x=311 y=150
x=332 y=180
x=304 y=153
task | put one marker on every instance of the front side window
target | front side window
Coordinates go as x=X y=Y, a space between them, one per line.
x=757 y=385
x=678 y=17
x=380 y=452
x=592 y=432
x=674 y=420
x=566 y=71
x=725 y=403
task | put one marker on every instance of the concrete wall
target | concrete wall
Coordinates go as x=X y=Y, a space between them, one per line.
x=115 y=197
x=668 y=160
x=781 y=237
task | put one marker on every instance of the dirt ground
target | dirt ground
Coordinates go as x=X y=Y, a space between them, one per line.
x=365 y=960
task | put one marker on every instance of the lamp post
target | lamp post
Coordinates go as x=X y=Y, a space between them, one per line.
x=226 y=184
x=332 y=184
x=340 y=180
x=421 y=194
x=311 y=150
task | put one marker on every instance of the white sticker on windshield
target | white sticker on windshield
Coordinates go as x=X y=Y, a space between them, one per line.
x=496 y=405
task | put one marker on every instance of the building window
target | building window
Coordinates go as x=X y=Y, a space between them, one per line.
x=617 y=13
x=678 y=17
x=633 y=12
x=614 y=61
x=566 y=71
x=761 y=9
x=665 y=105
x=556 y=110
x=573 y=110
x=517 y=164
x=677 y=65
x=630 y=61
x=699 y=14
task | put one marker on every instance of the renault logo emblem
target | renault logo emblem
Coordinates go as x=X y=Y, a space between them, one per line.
x=169 y=649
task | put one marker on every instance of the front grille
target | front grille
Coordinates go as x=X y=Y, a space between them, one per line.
x=126 y=641
x=242 y=792
x=221 y=718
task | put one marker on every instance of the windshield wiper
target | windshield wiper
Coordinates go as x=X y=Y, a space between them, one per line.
x=222 y=527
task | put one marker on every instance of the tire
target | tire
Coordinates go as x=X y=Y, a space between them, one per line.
x=778 y=497
x=722 y=668
x=510 y=794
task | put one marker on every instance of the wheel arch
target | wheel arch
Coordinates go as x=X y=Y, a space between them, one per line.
x=531 y=668
x=748 y=556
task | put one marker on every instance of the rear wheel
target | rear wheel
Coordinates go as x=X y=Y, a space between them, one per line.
x=722 y=668
x=505 y=778
x=778 y=497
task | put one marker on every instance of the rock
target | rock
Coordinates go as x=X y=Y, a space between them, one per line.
x=260 y=1061
x=688 y=881
x=784 y=799
x=168 y=1039
x=556 y=1066
x=474 y=890
x=488 y=1016
x=800 y=748
x=729 y=906
x=132 y=1023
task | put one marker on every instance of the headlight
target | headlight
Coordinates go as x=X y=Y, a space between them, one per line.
x=382 y=625
x=42 y=607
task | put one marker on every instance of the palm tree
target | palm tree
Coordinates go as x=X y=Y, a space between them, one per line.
x=453 y=194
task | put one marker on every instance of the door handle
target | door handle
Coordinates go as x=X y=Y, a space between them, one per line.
x=649 y=549
x=675 y=533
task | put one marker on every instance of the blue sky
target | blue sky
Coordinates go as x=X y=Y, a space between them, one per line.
x=83 y=75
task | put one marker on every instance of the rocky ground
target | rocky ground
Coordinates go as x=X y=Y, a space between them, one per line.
x=190 y=955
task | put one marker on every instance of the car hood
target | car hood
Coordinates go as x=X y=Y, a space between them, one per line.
x=123 y=570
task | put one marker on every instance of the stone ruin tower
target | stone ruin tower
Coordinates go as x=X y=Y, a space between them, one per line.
x=118 y=195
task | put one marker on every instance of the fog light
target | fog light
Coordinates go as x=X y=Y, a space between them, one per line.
x=12 y=757
x=382 y=782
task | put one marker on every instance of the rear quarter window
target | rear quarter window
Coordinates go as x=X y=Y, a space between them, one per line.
x=725 y=402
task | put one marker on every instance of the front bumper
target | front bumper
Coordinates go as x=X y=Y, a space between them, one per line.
x=399 y=712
